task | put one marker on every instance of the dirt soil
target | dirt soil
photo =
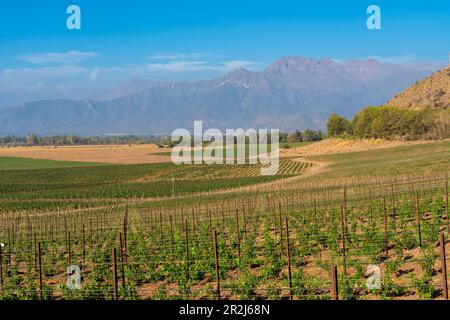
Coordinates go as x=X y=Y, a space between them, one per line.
x=114 y=154
x=150 y=153
x=336 y=145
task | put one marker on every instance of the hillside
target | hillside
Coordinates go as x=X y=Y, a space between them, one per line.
x=432 y=92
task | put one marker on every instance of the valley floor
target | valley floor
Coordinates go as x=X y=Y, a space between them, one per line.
x=178 y=232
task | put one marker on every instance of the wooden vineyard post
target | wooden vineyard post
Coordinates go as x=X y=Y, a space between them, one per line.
x=91 y=234
x=394 y=208
x=345 y=200
x=1 y=267
x=316 y=221
x=160 y=225
x=288 y=256
x=223 y=218
x=69 y=249
x=238 y=236
x=418 y=219
x=446 y=202
x=125 y=232
x=186 y=233
x=84 y=244
x=171 y=234
x=122 y=261
x=114 y=270
x=193 y=220
x=210 y=220
x=280 y=221
x=35 y=250
x=40 y=270
x=10 y=248
x=334 y=283
x=272 y=207
x=343 y=240
x=216 y=264
x=443 y=266
x=370 y=206
x=385 y=227
x=245 y=221
x=65 y=232
x=325 y=213
x=97 y=232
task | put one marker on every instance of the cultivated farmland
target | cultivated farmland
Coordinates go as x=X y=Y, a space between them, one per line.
x=324 y=227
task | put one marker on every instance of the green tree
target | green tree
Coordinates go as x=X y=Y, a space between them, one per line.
x=337 y=125
x=362 y=122
x=388 y=123
x=296 y=136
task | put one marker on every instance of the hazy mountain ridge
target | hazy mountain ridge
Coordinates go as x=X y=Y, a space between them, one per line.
x=291 y=93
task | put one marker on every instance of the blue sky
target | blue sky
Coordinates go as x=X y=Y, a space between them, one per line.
x=190 y=40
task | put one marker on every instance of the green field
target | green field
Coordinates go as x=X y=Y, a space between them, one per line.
x=389 y=162
x=28 y=183
x=9 y=163
x=89 y=184
x=222 y=152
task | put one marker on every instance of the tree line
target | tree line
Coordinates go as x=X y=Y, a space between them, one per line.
x=67 y=140
x=389 y=122
x=302 y=136
x=162 y=140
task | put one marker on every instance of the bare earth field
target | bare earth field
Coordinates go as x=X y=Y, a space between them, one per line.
x=114 y=154
x=336 y=145
x=150 y=153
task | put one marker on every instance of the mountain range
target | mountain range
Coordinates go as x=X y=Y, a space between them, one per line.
x=291 y=93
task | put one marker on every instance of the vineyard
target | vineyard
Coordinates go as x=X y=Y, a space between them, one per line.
x=89 y=233
x=79 y=186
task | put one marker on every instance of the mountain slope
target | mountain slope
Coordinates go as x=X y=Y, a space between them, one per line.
x=432 y=92
x=126 y=89
x=291 y=93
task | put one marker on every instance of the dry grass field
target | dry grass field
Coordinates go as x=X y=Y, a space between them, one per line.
x=150 y=153
x=337 y=145
x=114 y=154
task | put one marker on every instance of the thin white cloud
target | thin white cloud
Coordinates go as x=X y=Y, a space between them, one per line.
x=187 y=66
x=65 y=75
x=193 y=62
x=179 y=66
x=94 y=73
x=178 y=56
x=64 y=87
x=41 y=73
x=395 y=59
x=70 y=57
x=239 y=64
x=38 y=78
